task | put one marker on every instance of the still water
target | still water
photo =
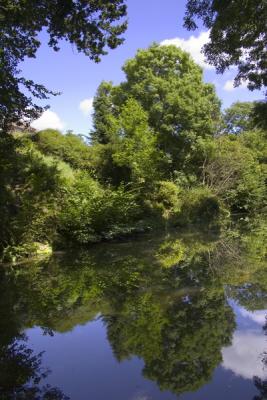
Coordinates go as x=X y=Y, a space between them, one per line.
x=157 y=318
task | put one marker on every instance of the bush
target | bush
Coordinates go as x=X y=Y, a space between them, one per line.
x=32 y=186
x=34 y=249
x=165 y=199
x=69 y=148
x=235 y=175
x=199 y=204
x=91 y=213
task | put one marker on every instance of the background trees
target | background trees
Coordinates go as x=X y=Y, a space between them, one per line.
x=235 y=175
x=69 y=148
x=156 y=155
x=239 y=117
x=159 y=157
x=135 y=145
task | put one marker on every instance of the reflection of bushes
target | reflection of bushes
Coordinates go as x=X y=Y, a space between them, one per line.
x=171 y=252
x=176 y=318
x=239 y=260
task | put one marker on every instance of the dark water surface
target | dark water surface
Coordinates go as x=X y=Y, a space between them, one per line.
x=178 y=315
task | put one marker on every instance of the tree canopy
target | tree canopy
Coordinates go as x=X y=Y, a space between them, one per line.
x=238 y=36
x=92 y=26
x=182 y=110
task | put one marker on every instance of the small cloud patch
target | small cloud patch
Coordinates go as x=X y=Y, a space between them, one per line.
x=86 y=106
x=192 y=45
x=49 y=119
x=229 y=85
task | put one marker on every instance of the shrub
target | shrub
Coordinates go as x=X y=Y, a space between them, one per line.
x=235 y=174
x=199 y=204
x=32 y=186
x=165 y=200
x=91 y=213
x=69 y=148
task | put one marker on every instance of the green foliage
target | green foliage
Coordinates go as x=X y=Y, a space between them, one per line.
x=235 y=175
x=69 y=148
x=32 y=249
x=236 y=28
x=238 y=117
x=260 y=114
x=200 y=205
x=102 y=116
x=104 y=168
x=128 y=154
x=245 y=116
x=91 y=27
x=165 y=199
x=135 y=146
x=157 y=158
x=31 y=188
x=256 y=141
x=181 y=108
x=91 y=212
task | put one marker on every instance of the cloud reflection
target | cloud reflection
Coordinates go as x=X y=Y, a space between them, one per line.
x=258 y=316
x=244 y=356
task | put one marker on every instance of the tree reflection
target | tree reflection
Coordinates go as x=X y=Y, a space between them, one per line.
x=21 y=374
x=239 y=259
x=180 y=342
x=261 y=384
x=21 y=371
x=162 y=299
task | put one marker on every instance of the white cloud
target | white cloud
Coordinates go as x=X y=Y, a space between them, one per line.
x=193 y=45
x=258 y=316
x=229 y=85
x=49 y=119
x=86 y=106
x=244 y=356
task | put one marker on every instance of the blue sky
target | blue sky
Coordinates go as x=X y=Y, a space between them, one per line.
x=77 y=77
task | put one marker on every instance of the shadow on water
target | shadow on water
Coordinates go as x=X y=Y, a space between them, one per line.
x=163 y=299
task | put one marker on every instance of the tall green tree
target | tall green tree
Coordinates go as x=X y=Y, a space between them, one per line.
x=136 y=145
x=181 y=108
x=91 y=26
x=102 y=116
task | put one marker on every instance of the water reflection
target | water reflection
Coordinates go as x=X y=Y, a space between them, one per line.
x=22 y=373
x=162 y=299
x=261 y=381
x=244 y=356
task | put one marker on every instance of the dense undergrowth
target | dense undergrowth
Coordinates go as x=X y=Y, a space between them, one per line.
x=161 y=154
